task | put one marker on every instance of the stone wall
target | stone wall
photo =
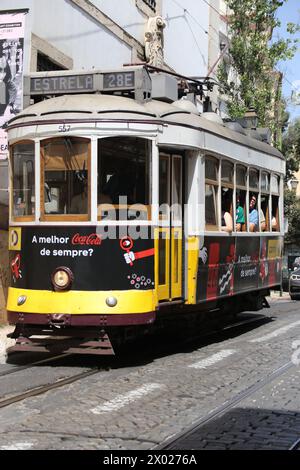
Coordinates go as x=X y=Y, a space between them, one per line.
x=4 y=273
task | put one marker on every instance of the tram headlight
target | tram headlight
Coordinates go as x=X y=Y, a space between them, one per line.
x=111 y=301
x=62 y=278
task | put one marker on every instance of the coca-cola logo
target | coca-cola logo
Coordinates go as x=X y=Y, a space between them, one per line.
x=92 y=239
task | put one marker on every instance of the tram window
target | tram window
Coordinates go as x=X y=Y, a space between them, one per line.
x=226 y=216
x=211 y=193
x=211 y=169
x=123 y=178
x=253 y=213
x=253 y=178
x=265 y=182
x=227 y=169
x=264 y=213
x=176 y=189
x=275 y=184
x=275 y=214
x=240 y=219
x=227 y=177
x=241 y=175
x=264 y=201
x=211 y=212
x=164 y=180
x=241 y=198
x=164 y=187
x=65 y=163
x=23 y=179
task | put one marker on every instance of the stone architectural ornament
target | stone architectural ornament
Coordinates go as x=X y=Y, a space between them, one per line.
x=154 y=41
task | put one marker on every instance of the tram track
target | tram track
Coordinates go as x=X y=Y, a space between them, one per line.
x=295 y=445
x=48 y=360
x=39 y=390
x=45 y=388
x=170 y=444
x=223 y=329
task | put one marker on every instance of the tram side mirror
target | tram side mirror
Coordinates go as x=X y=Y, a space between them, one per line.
x=286 y=225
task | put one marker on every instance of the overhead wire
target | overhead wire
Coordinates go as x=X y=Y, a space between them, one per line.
x=187 y=13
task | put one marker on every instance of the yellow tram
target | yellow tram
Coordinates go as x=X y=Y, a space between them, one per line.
x=119 y=206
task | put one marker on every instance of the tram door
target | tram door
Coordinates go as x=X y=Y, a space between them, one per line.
x=170 y=227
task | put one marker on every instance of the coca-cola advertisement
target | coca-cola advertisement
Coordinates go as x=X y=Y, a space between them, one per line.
x=92 y=239
x=98 y=262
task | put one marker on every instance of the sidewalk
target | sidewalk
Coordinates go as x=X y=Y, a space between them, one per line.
x=5 y=342
x=275 y=295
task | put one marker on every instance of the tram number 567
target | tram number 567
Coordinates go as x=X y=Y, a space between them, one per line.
x=64 y=128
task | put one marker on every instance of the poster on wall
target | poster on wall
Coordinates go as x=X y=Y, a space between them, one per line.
x=11 y=70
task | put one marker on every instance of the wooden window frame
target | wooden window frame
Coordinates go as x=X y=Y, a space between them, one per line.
x=230 y=186
x=64 y=217
x=216 y=184
x=242 y=188
x=278 y=195
x=263 y=192
x=24 y=218
x=103 y=206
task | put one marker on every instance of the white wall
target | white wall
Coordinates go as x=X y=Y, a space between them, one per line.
x=77 y=35
x=71 y=31
x=125 y=14
x=186 y=42
x=90 y=44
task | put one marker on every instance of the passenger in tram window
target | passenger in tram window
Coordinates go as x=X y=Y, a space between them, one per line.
x=262 y=221
x=264 y=213
x=253 y=214
x=120 y=184
x=240 y=215
x=274 y=221
x=274 y=224
x=226 y=222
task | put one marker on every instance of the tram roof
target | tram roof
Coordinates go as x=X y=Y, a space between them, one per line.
x=88 y=106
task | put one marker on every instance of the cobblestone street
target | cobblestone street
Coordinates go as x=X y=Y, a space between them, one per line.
x=141 y=406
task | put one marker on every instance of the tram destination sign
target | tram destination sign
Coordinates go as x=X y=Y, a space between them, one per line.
x=118 y=80
x=48 y=84
x=61 y=84
x=82 y=83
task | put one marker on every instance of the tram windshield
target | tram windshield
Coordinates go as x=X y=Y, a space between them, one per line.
x=65 y=169
x=23 y=179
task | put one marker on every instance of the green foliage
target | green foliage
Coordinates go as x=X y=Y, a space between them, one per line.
x=291 y=151
x=249 y=80
x=292 y=212
x=291 y=148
